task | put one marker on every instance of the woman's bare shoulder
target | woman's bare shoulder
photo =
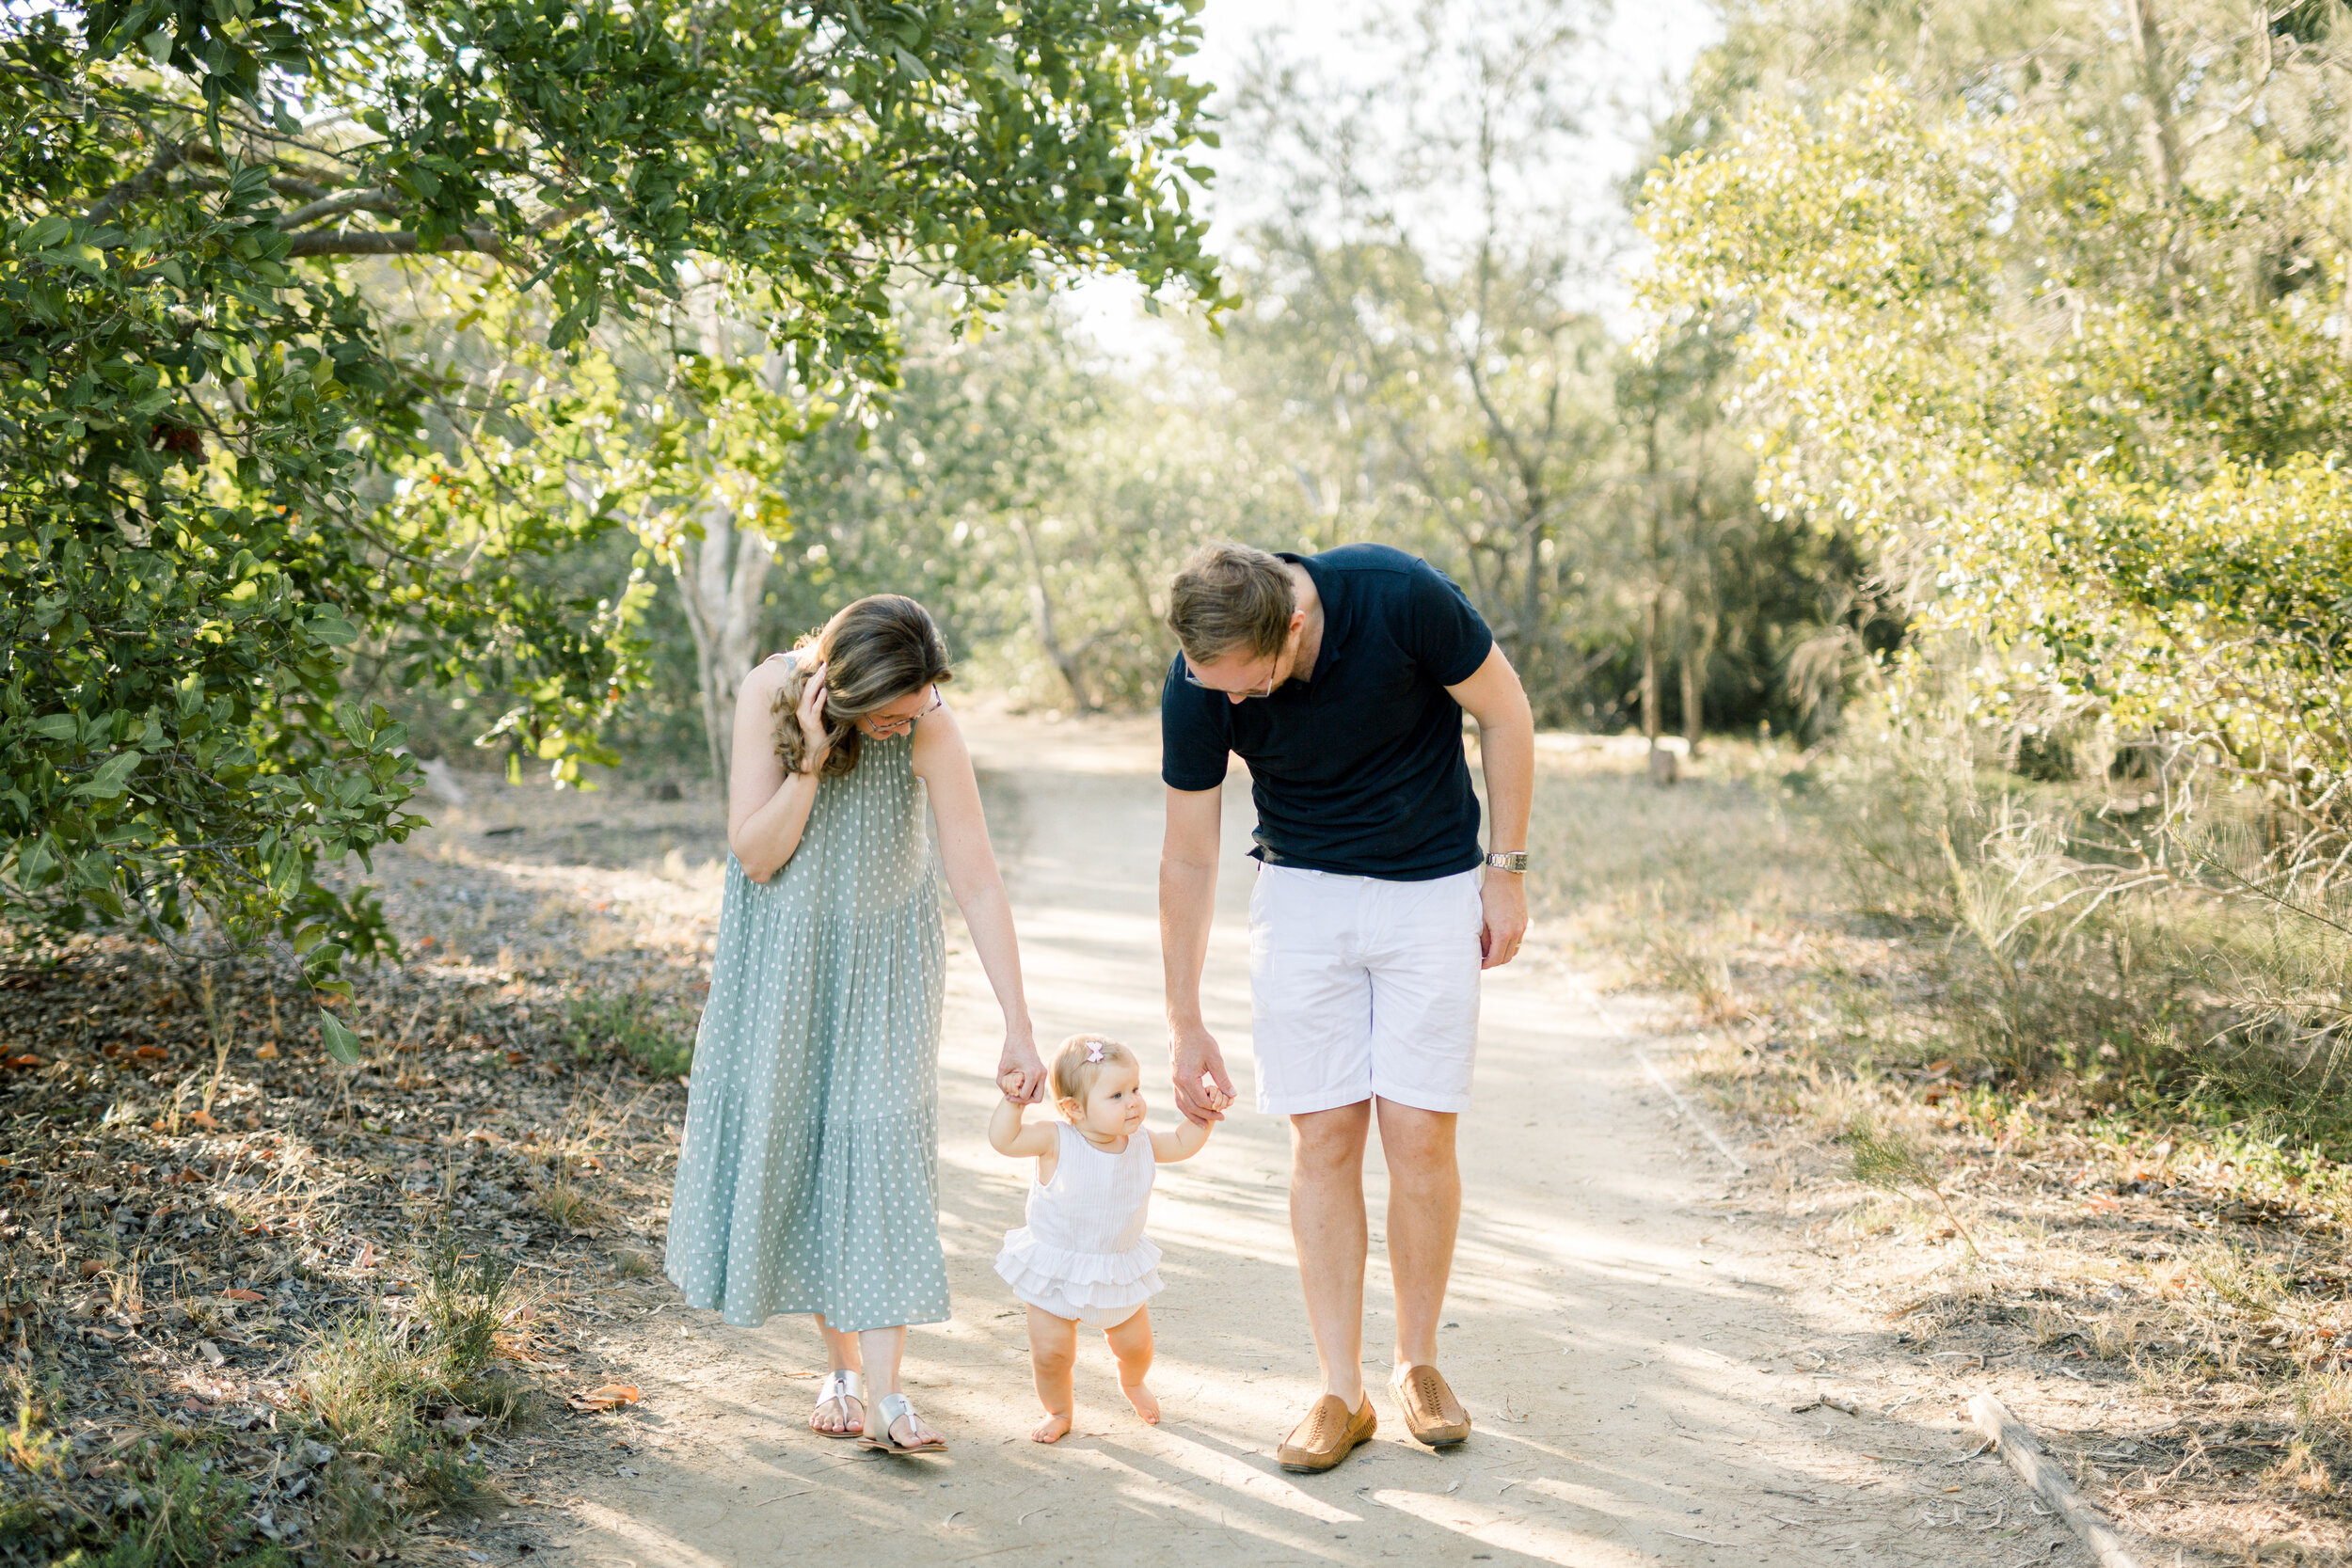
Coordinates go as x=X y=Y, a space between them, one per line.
x=768 y=676
x=938 y=738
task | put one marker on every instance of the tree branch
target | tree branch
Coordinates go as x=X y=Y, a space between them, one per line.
x=124 y=192
x=390 y=242
x=341 y=202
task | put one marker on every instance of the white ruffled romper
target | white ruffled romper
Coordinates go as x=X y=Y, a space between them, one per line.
x=1083 y=1254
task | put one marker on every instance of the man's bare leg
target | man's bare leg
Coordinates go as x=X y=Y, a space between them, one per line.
x=1328 y=1230
x=1424 y=1213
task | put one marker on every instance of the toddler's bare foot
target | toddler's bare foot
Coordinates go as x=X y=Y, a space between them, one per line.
x=1146 y=1403
x=1051 y=1429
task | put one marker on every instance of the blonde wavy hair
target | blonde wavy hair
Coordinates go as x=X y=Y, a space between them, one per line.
x=874 y=651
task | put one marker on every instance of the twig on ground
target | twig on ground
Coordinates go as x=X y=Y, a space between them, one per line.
x=2018 y=1446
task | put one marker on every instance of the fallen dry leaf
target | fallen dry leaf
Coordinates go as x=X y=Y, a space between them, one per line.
x=204 y=1120
x=27 y=1060
x=367 y=1255
x=605 y=1398
x=245 y=1295
x=150 y=1052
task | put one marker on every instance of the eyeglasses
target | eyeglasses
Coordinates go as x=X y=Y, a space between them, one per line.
x=883 y=728
x=1191 y=679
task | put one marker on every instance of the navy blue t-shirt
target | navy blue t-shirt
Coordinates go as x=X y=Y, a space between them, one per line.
x=1359 y=769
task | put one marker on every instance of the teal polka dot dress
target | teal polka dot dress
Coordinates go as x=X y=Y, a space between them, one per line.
x=809 y=1177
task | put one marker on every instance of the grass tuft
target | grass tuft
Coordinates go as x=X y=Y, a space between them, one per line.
x=402 y=1389
x=630 y=1025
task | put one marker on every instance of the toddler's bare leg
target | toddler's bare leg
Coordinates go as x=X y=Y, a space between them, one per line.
x=1053 y=1352
x=1131 y=1341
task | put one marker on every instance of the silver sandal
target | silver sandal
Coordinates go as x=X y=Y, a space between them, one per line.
x=837 y=1389
x=894 y=1408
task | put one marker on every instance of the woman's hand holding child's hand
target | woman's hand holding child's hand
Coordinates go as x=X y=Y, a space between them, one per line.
x=1015 y=1083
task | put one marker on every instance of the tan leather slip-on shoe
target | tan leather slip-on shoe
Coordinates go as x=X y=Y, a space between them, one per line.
x=1432 y=1414
x=1327 y=1436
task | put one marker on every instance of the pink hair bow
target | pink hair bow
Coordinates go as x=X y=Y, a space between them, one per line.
x=1094 y=1050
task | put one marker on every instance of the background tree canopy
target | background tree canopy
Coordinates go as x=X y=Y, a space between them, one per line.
x=515 y=376
x=1425 y=356
x=226 y=461
x=2058 y=317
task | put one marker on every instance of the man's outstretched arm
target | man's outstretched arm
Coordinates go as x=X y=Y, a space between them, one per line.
x=1187 y=905
x=1506 y=743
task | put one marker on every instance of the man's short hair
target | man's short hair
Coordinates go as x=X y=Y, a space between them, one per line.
x=1230 y=598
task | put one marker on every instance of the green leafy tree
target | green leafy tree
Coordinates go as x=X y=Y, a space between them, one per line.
x=2085 y=398
x=221 y=469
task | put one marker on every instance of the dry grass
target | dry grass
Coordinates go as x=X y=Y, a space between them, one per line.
x=224 y=1342
x=2160 y=1239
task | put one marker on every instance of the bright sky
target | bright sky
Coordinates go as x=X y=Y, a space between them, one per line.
x=1642 y=57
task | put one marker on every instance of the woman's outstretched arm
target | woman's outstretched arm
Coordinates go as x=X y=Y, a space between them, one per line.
x=945 y=765
x=767 y=808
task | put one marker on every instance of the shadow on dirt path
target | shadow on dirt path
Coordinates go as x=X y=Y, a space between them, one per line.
x=1631 y=1342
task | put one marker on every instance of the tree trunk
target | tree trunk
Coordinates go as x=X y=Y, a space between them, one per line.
x=1042 y=618
x=1654 y=612
x=1696 y=657
x=1700 y=606
x=723 y=580
x=2155 y=89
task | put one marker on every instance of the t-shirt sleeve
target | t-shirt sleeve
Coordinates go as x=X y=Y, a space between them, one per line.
x=1193 y=739
x=1440 y=630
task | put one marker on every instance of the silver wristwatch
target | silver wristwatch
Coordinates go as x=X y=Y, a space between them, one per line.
x=1513 y=861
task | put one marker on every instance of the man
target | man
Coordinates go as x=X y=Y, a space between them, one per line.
x=1340 y=679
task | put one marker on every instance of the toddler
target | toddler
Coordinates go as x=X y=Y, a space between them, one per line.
x=1082 y=1257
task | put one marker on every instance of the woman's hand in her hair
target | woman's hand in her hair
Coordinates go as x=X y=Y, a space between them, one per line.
x=816 y=739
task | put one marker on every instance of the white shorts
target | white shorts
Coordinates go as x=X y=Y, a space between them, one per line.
x=1361 y=988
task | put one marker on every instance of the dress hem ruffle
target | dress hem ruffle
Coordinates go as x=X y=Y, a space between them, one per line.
x=1087 y=1279
x=916 y=1318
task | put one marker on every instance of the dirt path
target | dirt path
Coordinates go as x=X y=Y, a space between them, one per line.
x=1629 y=1342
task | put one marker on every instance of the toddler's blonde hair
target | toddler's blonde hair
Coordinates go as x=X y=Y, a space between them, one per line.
x=1075 y=1076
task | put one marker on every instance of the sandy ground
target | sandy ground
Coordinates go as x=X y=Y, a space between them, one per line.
x=1629 y=1340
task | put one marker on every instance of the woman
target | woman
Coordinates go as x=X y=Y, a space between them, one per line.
x=809 y=1182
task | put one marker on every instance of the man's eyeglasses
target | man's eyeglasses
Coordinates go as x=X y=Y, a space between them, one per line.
x=884 y=728
x=1267 y=691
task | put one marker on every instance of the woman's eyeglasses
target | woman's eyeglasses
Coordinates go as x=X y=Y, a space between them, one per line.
x=881 y=729
x=1267 y=691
